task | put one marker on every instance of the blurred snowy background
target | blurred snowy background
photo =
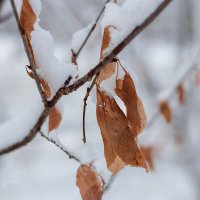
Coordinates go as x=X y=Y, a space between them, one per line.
x=40 y=170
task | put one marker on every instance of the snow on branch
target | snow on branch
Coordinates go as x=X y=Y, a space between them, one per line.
x=87 y=77
x=28 y=53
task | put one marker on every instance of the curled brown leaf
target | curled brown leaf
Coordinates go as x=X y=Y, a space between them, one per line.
x=166 y=111
x=118 y=130
x=181 y=94
x=126 y=90
x=89 y=184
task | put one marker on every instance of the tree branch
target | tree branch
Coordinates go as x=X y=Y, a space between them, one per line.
x=88 y=77
x=28 y=53
x=69 y=89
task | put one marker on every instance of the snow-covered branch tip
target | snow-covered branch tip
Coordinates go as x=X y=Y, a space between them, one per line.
x=65 y=90
x=76 y=54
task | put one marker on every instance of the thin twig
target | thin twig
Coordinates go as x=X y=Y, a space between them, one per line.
x=67 y=90
x=69 y=154
x=28 y=53
x=89 y=89
x=76 y=54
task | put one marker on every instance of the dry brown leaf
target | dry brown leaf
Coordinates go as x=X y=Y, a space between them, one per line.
x=109 y=70
x=118 y=130
x=126 y=90
x=89 y=184
x=148 y=154
x=166 y=111
x=106 y=40
x=114 y=163
x=181 y=94
x=27 y=20
x=54 y=119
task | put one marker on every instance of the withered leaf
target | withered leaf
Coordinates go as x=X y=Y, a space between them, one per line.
x=181 y=94
x=89 y=184
x=109 y=69
x=54 y=119
x=118 y=130
x=27 y=21
x=126 y=90
x=166 y=111
x=114 y=163
x=27 y=18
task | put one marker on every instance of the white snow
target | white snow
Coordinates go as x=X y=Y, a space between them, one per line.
x=12 y=130
x=49 y=68
x=42 y=171
x=125 y=18
x=79 y=37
